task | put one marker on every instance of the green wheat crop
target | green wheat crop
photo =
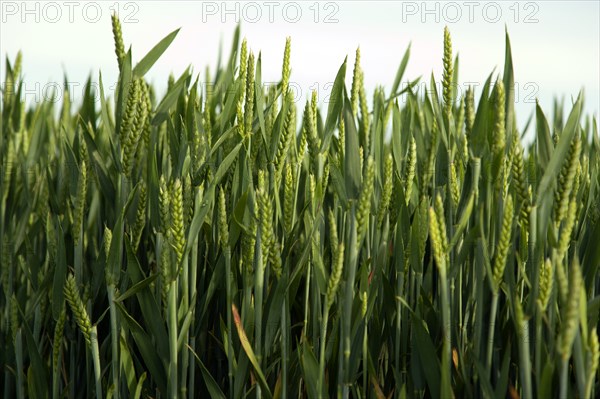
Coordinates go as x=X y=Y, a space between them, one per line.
x=234 y=243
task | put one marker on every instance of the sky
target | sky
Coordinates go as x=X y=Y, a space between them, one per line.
x=555 y=44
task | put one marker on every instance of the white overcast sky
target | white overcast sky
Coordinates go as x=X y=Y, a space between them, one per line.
x=555 y=44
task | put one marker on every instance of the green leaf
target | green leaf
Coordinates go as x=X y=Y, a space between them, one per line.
x=546 y=381
x=426 y=352
x=397 y=149
x=400 y=73
x=153 y=55
x=591 y=257
x=336 y=102
x=259 y=98
x=148 y=304
x=125 y=78
x=191 y=111
x=273 y=305
x=562 y=148
x=128 y=369
x=162 y=111
x=224 y=136
x=352 y=170
x=502 y=383
x=509 y=86
x=310 y=368
x=250 y=353
x=580 y=356
x=60 y=274
x=40 y=377
x=234 y=92
x=463 y=221
x=544 y=141
x=137 y=287
x=139 y=386
x=104 y=108
x=483 y=121
x=106 y=185
x=454 y=87
x=113 y=261
x=187 y=322
x=213 y=388
x=337 y=181
x=147 y=348
x=201 y=211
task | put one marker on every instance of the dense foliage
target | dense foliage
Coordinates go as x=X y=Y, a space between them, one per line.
x=202 y=245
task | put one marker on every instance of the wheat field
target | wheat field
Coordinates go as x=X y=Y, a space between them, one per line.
x=226 y=241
